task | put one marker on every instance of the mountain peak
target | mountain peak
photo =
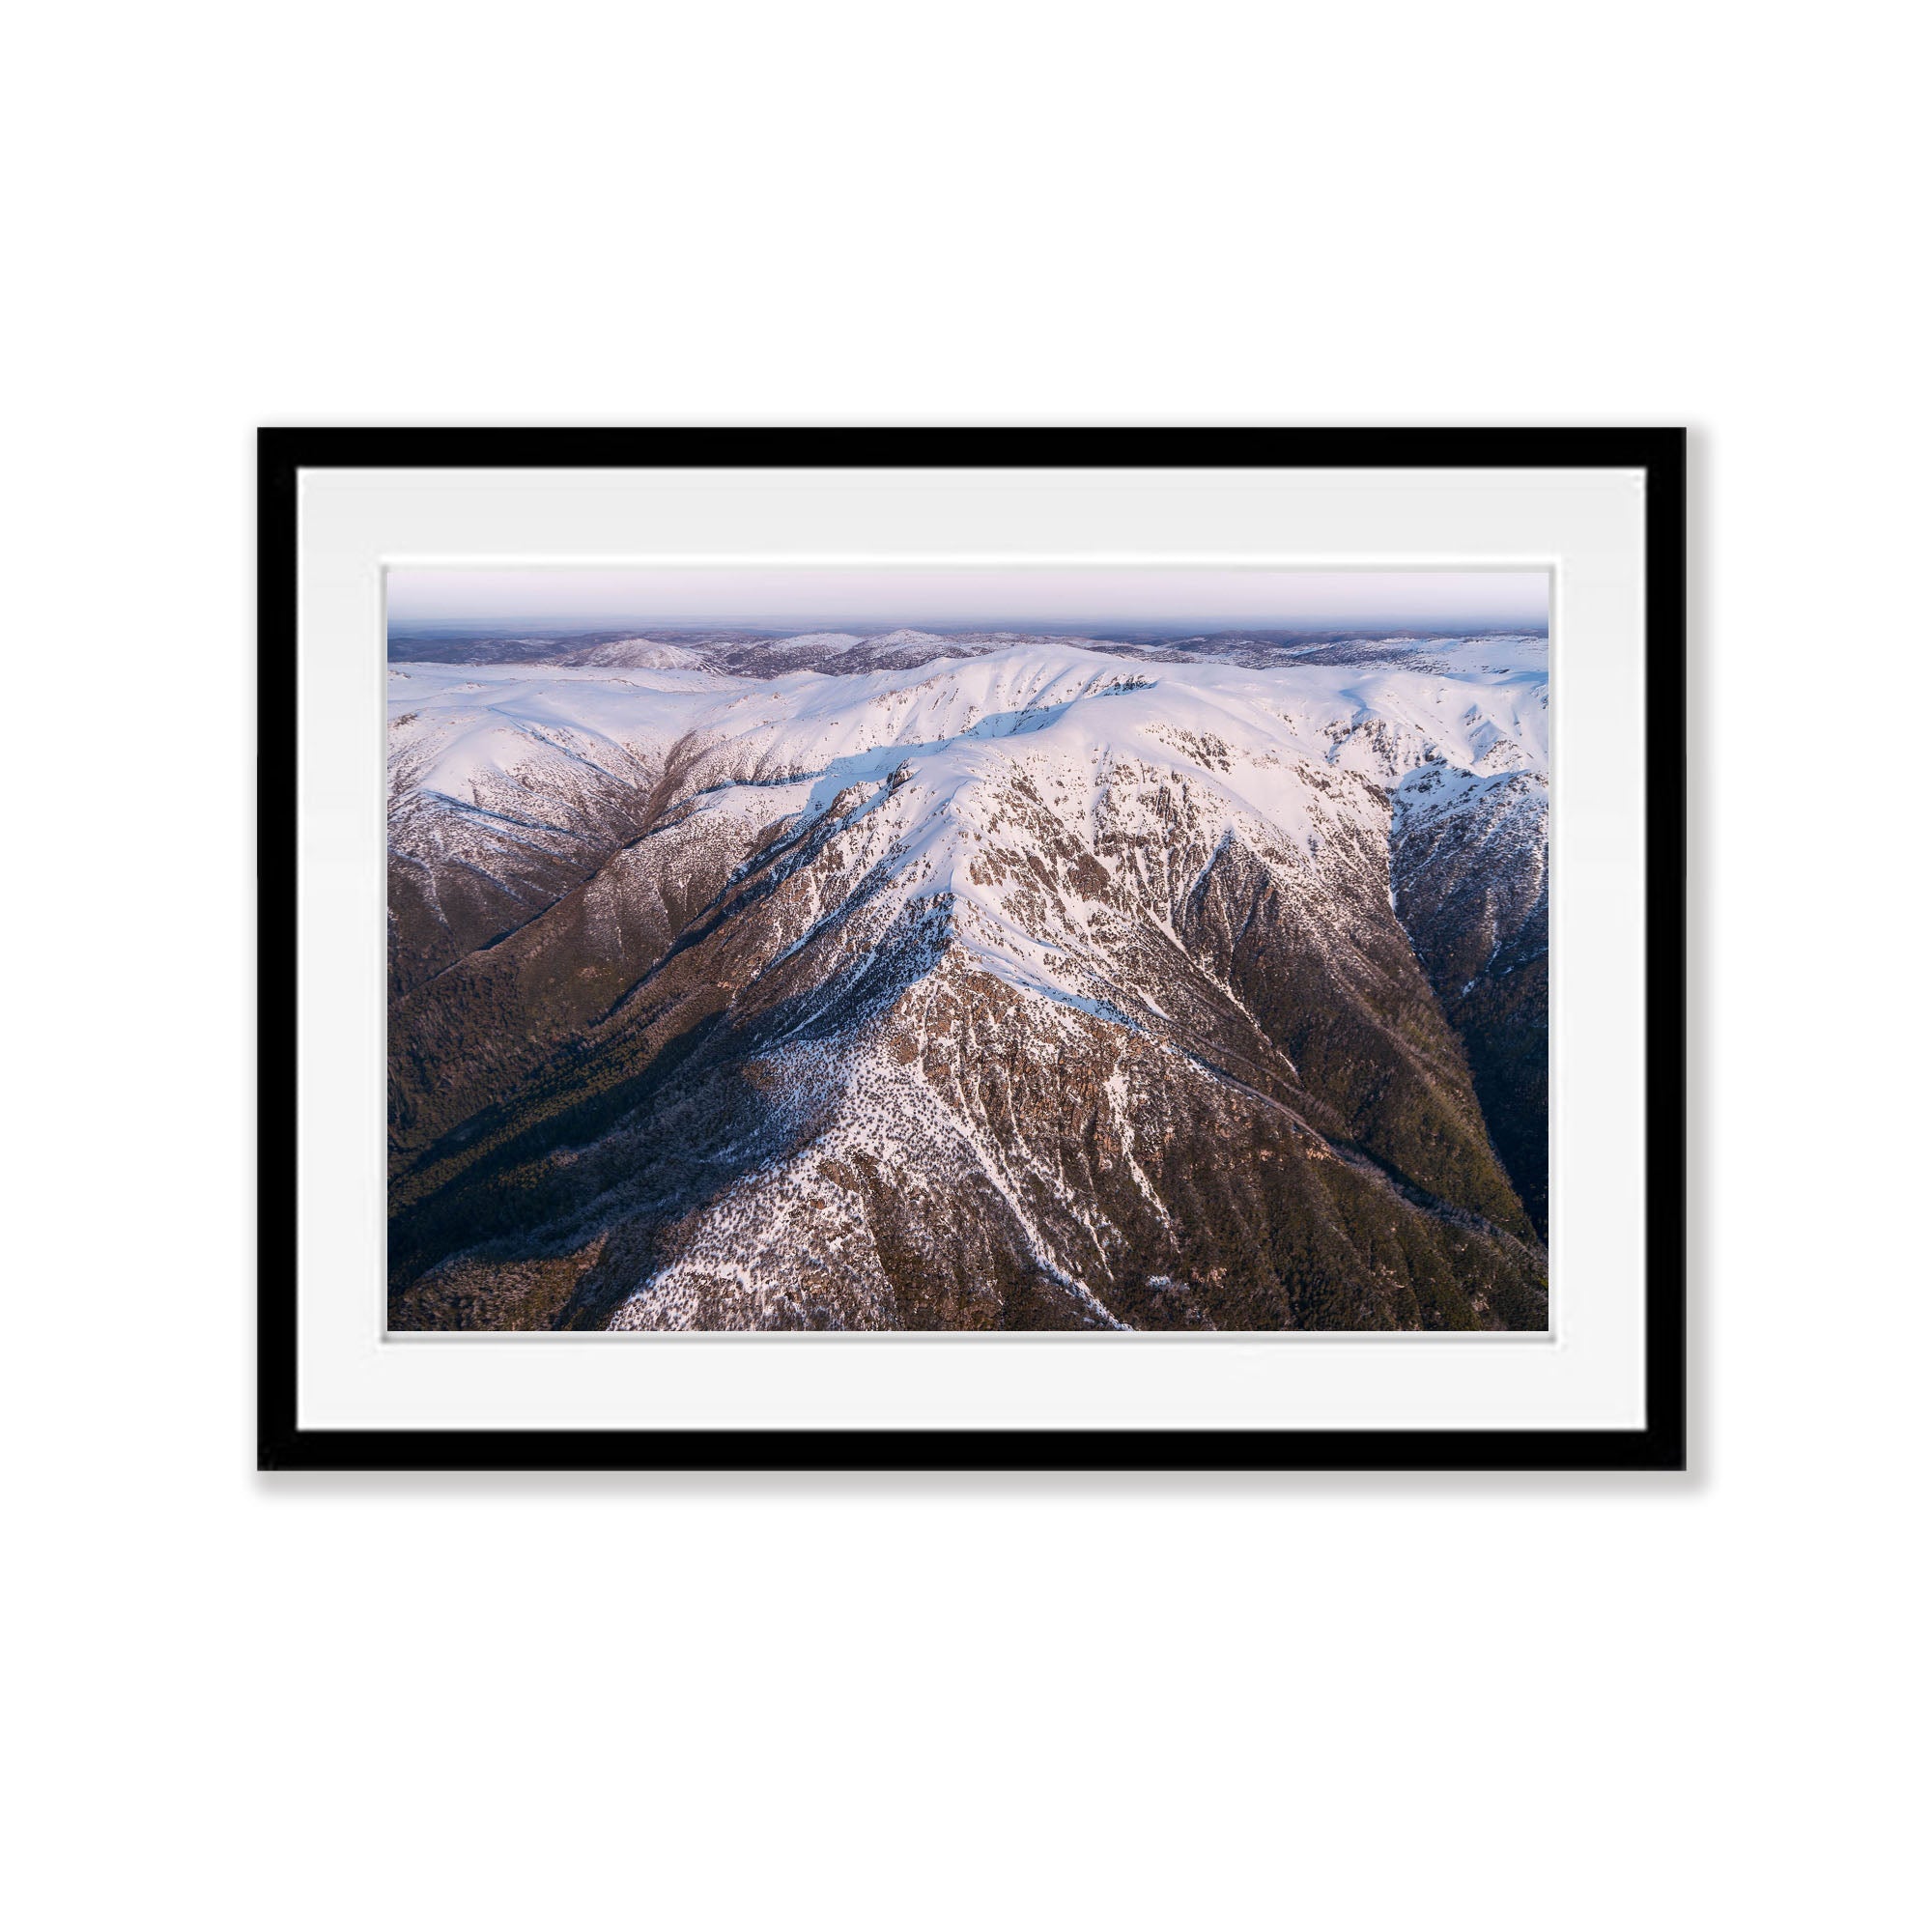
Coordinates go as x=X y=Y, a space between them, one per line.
x=997 y=988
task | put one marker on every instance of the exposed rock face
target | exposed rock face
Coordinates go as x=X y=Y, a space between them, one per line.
x=1036 y=990
x=1471 y=860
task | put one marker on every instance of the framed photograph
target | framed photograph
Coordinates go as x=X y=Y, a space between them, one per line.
x=972 y=948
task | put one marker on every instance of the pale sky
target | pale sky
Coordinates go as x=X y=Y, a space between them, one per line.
x=1150 y=597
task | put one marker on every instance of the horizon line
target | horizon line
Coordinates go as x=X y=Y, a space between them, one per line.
x=1392 y=627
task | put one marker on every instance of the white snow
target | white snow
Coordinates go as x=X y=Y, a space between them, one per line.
x=1044 y=740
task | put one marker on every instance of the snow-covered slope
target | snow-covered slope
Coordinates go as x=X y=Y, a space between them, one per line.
x=1020 y=936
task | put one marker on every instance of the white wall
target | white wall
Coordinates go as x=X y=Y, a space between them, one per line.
x=1520 y=1703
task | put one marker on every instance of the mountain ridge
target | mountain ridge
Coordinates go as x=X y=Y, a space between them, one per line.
x=1178 y=886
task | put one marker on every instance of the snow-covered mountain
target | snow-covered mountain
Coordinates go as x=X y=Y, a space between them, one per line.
x=824 y=982
x=771 y=653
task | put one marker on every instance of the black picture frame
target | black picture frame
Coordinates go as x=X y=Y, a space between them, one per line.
x=1661 y=1444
